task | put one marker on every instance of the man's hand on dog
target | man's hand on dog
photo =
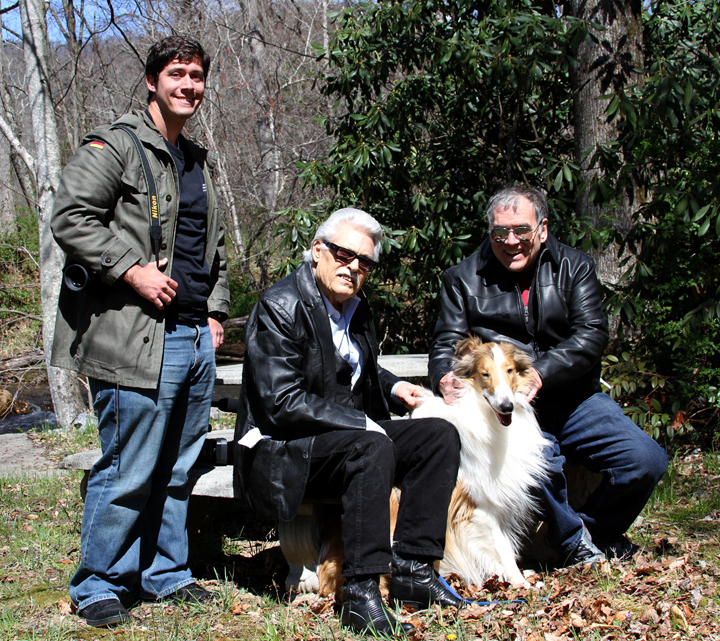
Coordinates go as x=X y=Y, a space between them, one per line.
x=532 y=387
x=409 y=394
x=451 y=388
x=151 y=283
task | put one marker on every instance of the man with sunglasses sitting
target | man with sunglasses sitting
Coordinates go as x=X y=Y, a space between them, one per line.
x=524 y=287
x=314 y=422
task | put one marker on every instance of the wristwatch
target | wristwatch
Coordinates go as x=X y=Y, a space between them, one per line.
x=220 y=317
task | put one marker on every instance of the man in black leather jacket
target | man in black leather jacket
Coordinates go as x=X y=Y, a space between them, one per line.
x=314 y=421
x=524 y=287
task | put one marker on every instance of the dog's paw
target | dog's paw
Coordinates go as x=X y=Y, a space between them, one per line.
x=308 y=582
x=518 y=581
x=301 y=580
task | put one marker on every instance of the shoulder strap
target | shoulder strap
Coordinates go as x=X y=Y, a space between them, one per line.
x=155 y=229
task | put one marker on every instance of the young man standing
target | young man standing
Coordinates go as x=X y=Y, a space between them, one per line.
x=143 y=331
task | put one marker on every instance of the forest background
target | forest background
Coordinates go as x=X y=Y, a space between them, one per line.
x=416 y=111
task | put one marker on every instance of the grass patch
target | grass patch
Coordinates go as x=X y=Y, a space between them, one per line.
x=667 y=592
x=39 y=526
x=59 y=443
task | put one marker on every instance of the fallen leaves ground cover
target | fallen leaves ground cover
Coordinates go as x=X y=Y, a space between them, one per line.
x=666 y=591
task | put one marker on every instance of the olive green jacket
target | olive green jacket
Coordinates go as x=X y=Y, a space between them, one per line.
x=101 y=219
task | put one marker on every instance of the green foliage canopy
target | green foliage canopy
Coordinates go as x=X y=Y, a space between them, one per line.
x=669 y=131
x=442 y=103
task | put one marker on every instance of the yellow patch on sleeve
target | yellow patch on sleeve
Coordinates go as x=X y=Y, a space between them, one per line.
x=98 y=144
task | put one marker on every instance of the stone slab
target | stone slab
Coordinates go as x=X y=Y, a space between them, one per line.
x=213 y=481
x=19 y=455
x=208 y=481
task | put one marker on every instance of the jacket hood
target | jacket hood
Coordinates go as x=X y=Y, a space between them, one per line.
x=146 y=130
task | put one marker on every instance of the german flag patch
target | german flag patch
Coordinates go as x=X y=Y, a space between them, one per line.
x=97 y=144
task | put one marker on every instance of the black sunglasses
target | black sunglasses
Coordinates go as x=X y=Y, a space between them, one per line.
x=346 y=257
x=524 y=233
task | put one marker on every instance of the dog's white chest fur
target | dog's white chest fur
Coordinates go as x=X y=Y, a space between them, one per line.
x=498 y=463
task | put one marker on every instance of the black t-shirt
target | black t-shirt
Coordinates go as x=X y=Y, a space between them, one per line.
x=190 y=269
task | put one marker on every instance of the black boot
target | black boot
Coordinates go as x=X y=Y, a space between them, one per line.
x=363 y=609
x=416 y=584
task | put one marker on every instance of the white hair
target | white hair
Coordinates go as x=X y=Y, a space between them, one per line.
x=348 y=216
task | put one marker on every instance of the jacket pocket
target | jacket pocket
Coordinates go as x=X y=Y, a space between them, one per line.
x=260 y=467
x=134 y=186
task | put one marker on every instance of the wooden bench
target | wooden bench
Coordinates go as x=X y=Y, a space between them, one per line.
x=217 y=480
x=298 y=538
x=404 y=366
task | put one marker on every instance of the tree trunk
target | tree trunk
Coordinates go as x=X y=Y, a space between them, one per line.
x=605 y=66
x=7 y=200
x=265 y=132
x=23 y=166
x=231 y=217
x=20 y=171
x=63 y=384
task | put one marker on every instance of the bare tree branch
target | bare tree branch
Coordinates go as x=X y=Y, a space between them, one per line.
x=11 y=32
x=17 y=145
x=23 y=314
x=10 y=8
x=122 y=32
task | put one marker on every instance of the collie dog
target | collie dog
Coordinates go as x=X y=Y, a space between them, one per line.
x=501 y=461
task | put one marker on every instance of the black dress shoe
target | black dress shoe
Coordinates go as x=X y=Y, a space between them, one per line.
x=363 y=610
x=417 y=585
x=105 y=613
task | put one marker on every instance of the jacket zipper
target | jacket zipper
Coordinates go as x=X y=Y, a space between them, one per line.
x=526 y=313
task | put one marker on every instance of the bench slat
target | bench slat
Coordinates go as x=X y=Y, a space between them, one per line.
x=85 y=460
x=404 y=366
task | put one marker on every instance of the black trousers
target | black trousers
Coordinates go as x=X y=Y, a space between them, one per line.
x=421 y=456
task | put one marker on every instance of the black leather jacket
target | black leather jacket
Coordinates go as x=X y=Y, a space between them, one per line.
x=562 y=327
x=289 y=388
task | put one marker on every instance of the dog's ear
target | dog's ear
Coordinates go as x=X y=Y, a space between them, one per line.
x=464 y=358
x=465 y=346
x=523 y=360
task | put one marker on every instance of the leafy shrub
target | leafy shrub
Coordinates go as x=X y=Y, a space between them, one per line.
x=242 y=300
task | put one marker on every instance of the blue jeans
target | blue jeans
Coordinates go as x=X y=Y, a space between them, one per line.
x=599 y=436
x=133 y=529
